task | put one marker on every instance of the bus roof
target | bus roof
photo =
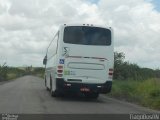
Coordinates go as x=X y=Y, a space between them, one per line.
x=90 y=25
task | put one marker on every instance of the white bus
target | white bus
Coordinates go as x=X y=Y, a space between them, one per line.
x=80 y=59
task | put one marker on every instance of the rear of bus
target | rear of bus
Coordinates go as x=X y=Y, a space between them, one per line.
x=86 y=60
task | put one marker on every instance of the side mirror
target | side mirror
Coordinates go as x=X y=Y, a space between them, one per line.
x=45 y=60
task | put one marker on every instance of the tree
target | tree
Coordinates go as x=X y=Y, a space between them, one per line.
x=118 y=61
x=3 y=71
x=125 y=71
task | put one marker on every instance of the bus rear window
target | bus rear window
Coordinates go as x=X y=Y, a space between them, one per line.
x=86 y=35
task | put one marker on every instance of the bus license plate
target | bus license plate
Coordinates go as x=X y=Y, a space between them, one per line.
x=84 y=89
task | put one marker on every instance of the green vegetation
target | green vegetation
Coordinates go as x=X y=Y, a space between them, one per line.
x=38 y=71
x=8 y=73
x=127 y=71
x=135 y=84
x=3 y=72
x=146 y=92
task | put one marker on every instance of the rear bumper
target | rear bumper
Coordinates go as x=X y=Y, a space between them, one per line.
x=63 y=86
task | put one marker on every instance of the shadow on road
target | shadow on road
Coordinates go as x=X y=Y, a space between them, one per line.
x=78 y=98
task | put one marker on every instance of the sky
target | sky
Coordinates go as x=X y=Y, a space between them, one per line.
x=156 y=4
x=27 y=27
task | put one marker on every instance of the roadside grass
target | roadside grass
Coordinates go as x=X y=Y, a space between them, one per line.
x=15 y=72
x=11 y=76
x=144 y=92
x=40 y=75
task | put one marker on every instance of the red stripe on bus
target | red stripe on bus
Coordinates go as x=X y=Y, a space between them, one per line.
x=87 y=57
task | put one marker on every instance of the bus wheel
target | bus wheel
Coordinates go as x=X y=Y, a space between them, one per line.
x=46 y=84
x=54 y=93
x=51 y=91
x=47 y=88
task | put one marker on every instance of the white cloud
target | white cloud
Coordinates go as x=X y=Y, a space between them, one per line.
x=27 y=26
x=137 y=29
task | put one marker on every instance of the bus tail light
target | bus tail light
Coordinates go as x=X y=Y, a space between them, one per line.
x=60 y=67
x=60 y=71
x=110 y=72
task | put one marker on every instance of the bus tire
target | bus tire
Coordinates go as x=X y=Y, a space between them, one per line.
x=54 y=93
x=51 y=91
x=46 y=84
x=47 y=88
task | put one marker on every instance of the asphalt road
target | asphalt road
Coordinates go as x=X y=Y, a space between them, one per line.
x=28 y=95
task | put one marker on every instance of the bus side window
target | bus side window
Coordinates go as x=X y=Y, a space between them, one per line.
x=57 y=41
x=52 y=50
